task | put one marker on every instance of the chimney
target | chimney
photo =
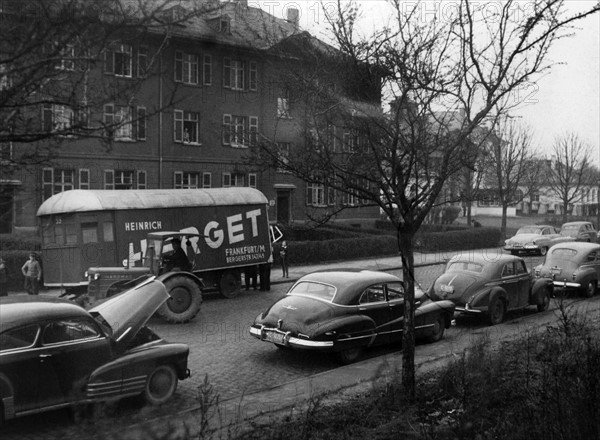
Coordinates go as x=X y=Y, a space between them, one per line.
x=293 y=17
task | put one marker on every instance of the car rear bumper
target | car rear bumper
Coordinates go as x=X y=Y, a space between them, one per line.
x=286 y=339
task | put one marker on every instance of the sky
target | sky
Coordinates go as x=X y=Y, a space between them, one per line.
x=565 y=100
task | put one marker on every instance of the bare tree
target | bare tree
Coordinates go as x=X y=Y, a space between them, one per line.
x=439 y=78
x=509 y=159
x=51 y=55
x=570 y=173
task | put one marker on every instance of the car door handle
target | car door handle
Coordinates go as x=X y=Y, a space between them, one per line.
x=45 y=356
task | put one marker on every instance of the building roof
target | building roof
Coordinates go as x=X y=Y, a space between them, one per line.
x=246 y=26
x=80 y=200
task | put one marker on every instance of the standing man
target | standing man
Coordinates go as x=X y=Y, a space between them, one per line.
x=33 y=273
x=3 y=279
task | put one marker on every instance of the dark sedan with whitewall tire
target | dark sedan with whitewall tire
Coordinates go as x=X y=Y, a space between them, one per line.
x=572 y=266
x=55 y=354
x=345 y=311
x=490 y=285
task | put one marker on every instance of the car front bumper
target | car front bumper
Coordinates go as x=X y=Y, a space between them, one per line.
x=564 y=284
x=278 y=337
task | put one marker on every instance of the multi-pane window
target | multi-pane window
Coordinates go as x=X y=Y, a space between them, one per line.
x=206 y=180
x=124 y=179
x=117 y=120
x=253 y=75
x=233 y=74
x=283 y=108
x=283 y=156
x=235 y=180
x=142 y=61
x=67 y=58
x=57 y=118
x=207 y=70
x=184 y=180
x=118 y=60
x=186 y=127
x=252 y=180
x=351 y=142
x=186 y=68
x=315 y=194
x=5 y=80
x=140 y=123
x=57 y=180
x=84 y=179
x=240 y=131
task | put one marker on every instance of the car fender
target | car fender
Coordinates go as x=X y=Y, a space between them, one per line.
x=586 y=274
x=349 y=324
x=539 y=289
x=7 y=395
x=484 y=297
x=142 y=360
x=434 y=307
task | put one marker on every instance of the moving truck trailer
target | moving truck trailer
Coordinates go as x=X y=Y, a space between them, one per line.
x=102 y=238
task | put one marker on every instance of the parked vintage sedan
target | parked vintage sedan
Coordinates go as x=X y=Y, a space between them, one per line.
x=346 y=311
x=579 y=231
x=55 y=354
x=478 y=283
x=572 y=266
x=533 y=239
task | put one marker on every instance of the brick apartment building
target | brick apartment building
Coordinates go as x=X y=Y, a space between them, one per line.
x=194 y=111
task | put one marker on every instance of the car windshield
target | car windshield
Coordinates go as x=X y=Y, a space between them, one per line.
x=529 y=230
x=571 y=231
x=316 y=290
x=465 y=265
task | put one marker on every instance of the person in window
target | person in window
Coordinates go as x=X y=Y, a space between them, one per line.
x=176 y=259
x=33 y=274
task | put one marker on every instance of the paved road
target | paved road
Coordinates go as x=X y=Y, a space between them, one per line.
x=220 y=347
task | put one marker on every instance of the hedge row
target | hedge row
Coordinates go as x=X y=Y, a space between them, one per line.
x=311 y=252
x=13 y=261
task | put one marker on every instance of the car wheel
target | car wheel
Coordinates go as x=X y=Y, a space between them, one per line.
x=184 y=302
x=590 y=289
x=160 y=385
x=543 y=250
x=439 y=326
x=545 y=301
x=349 y=355
x=496 y=311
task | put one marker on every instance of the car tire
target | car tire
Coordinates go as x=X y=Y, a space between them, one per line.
x=438 y=330
x=496 y=311
x=546 y=301
x=349 y=355
x=590 y=289
x=161 y=384
x=543 y=251
x=185 y=300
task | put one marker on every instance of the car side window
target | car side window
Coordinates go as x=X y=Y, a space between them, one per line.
x=521 y=268
x=395 y=291
x=20 y=337
x=372 y=294
x=591 y=257
x=68 y=330
x=508 y=270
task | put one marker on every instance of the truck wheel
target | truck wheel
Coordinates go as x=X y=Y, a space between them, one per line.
x=185 y=300
x=230 y=284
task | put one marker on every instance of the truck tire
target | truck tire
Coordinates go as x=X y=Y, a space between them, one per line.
x=185 y=300
x=230 y=284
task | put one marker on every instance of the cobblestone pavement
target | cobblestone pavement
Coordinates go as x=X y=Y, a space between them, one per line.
x=222 y=351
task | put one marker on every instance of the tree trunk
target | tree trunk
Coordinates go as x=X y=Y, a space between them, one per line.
x=564 y=213
x=503 y=223
x=408 y=336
